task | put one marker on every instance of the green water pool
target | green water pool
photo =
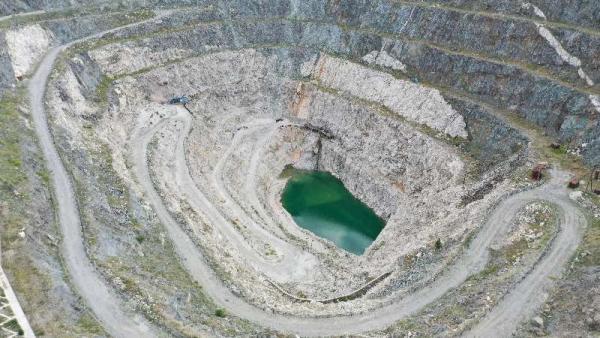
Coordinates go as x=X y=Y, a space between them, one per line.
x=320 y=203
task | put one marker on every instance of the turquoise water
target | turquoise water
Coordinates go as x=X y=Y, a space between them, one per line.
x=320 y=203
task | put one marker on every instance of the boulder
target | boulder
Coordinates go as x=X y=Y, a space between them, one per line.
x=593 y=322
x=555 y=145
x=573 y=183
x=537 y=321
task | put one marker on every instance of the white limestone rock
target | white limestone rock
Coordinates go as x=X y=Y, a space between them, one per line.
x=26 y=46
x=412 y=101
x=383 y=59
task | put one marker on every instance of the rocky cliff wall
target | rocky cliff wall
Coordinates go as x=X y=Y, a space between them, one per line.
x=205 y=39
x=583 y=13
x=7 y=75
x=537 y=60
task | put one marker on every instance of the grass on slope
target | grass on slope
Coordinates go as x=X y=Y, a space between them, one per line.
x=12 y=180
x=32 y=284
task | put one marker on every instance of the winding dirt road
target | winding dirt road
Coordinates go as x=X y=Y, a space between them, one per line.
x=17 y=15
x=106 y=306
x=531 y=292
x=474 y=259
x=518 y=304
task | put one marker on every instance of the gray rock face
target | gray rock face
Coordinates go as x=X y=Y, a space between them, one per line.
x=88 y=75
x=537 y=322
x=20 y=6
x=484 y=130
x=7 y=75
x=385 y=163
x=501 y=61
x=584 y=13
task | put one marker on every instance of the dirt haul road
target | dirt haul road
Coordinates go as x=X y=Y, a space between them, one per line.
x=101 y=300
x=474 y=259
x=519 y=303
x=531 y=292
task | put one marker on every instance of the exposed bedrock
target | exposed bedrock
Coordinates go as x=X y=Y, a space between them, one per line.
x=583 y=13
x=7 y=74
x=132 y=57
x=219 y=168
x=491 y=67
x=23 y=44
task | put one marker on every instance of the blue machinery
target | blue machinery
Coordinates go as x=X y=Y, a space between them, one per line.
x=180 y=100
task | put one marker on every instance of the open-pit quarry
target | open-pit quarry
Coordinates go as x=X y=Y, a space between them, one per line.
x=300 y=168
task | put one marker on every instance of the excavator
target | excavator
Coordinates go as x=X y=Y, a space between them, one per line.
x=182 y=100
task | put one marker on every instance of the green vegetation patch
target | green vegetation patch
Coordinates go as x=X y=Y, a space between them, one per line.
x=13 y=325
x=590 y=247
x=11 y=175
x=101 y=94
x=33 y=285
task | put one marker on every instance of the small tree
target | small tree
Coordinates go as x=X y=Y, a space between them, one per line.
x=220 y=313
x=438 y=244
